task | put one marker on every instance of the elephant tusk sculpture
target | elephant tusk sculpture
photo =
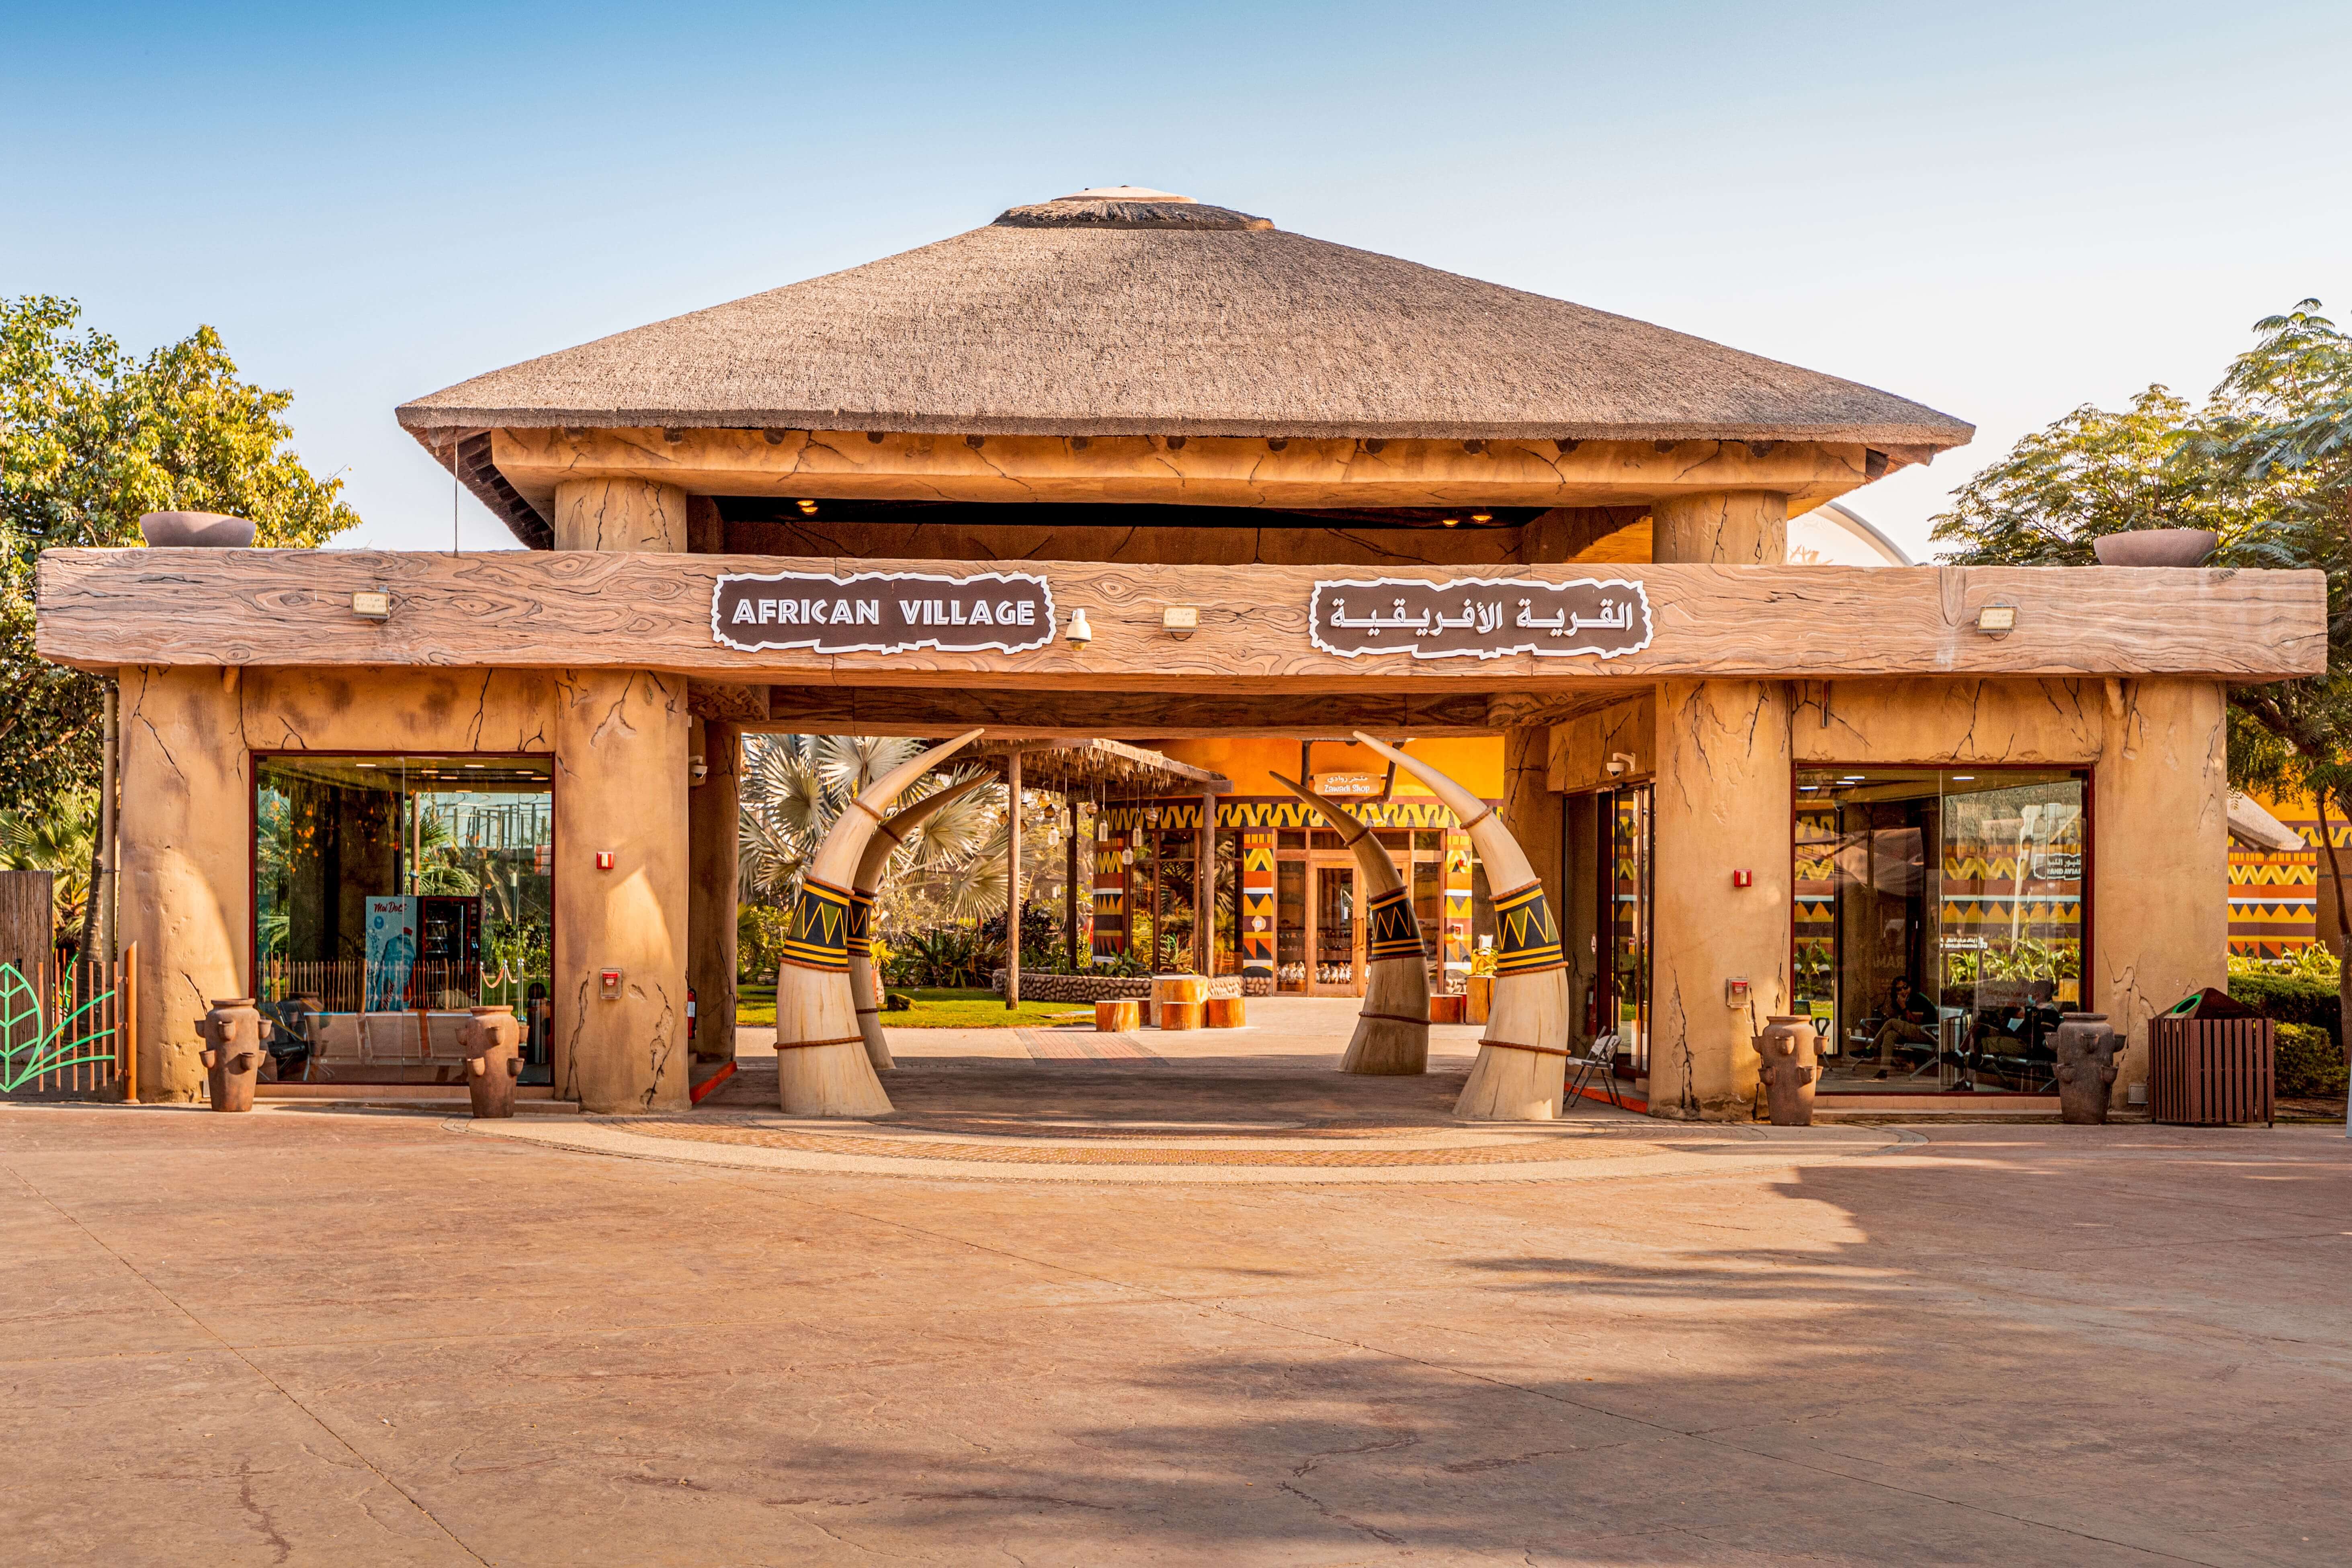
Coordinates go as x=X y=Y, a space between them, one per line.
x=888 y=837
x=1522 y=1066
x=821 y=1064
x=1392 y=1030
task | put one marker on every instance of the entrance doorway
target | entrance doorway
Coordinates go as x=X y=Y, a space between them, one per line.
x=1335 y=935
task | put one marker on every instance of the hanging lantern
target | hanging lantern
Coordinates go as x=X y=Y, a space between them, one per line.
x=1126 y=857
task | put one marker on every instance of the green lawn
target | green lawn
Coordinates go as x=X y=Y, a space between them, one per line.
x=933 y=1008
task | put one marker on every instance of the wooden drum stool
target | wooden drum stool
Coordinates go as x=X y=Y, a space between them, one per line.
x=1177 y=1000
x=1116 y=1015
x=1226 y=1012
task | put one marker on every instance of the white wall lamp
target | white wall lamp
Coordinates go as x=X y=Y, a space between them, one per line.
x=1077 y=634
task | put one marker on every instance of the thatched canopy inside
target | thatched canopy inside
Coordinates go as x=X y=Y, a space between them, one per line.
x=1131 y=312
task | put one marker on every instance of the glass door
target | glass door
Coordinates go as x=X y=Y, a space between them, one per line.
x=1623 y=826
x=1338 y=964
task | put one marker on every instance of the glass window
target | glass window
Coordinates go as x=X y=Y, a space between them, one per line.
x=1625 y=823
x=1938 y=924
x=1290 y=925
x=1428 y=842
x=391 y=894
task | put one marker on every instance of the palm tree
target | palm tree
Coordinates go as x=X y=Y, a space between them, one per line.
x=56 y=837
x=795 y=786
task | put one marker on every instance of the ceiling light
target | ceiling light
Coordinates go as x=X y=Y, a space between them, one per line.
x=1448 y=522
x=1482 y=516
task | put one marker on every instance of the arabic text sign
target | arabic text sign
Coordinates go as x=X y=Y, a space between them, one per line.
x=1341 y=786
x=883 y=612
x=1479 y=617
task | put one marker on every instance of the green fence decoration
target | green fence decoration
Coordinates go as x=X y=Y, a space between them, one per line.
x=48 y=1050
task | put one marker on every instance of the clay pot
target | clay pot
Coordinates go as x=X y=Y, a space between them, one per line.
x=491 y=1040
x=201 y=530
x=2155 y=547
x=1789 y=1050
x=2086 y=1049
x=233 y=1032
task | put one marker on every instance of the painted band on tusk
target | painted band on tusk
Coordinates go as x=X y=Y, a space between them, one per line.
x=1391 y=1034
x=1521 y=1071
x=889 y=836
x=822 y=1068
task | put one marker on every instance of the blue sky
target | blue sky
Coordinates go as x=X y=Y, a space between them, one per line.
x=2003 y=210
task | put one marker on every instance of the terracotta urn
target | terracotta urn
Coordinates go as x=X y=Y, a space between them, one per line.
x=232 y=1032
x=1792 y=1062
x=201 y=530
x=491 y=1040
x=2087 y=1050
x=2155 y=547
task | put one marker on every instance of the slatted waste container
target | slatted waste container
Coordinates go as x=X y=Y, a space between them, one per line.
x=2210 y=1063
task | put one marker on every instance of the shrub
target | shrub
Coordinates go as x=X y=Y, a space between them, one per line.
x=2287 y=1001
x=896 y=1001
x=2306 y=1062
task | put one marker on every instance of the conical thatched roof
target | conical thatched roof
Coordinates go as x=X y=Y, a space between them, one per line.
x=1133 y=312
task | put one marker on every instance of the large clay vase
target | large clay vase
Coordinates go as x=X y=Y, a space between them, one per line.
x=1791 y=1063
x=491 y=1039
x=2086 y=1049
x=232 y=1032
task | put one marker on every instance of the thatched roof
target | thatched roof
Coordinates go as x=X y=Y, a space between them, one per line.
x=1133 y=312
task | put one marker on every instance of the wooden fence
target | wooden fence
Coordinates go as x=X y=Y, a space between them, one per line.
x=69 y=1030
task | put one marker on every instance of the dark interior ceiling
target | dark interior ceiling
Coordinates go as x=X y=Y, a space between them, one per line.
x=1067 y=515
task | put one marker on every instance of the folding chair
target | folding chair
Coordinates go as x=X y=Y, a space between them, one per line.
x=1600 y=1057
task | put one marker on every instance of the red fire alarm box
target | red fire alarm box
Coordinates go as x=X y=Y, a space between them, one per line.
x=1743 y=879
x=604 y=860
x=610 y=984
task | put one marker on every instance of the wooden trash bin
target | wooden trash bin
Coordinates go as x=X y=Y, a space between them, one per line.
x=1116 y=1015
x=1479 y=1001
x=1448 y=1009
x=1178 y=1000
x=2209 y=1072
x=1226 y=1012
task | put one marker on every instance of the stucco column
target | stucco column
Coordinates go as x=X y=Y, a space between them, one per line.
x=2161 y=848
x=620 y=788
x=186 y=853
x=1722 y=528
x=1530 y=809
x=619 y=514
x=1722 y=805
x=712 y=807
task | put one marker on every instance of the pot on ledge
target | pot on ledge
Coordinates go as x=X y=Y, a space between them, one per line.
x=2155 y=547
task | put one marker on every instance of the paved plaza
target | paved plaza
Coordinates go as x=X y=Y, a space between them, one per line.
x=318 y=1334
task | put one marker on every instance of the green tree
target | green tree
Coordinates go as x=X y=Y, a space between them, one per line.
x=2266 y=463
x=90 y=437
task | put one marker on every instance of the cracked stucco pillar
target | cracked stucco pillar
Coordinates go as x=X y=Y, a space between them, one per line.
x=1530 y=809
x=713 y=806
x=1721 y=528
x=1722 y=805
x=186 y=889
x=621 y=766
x=2161 y=848
x=620 y=515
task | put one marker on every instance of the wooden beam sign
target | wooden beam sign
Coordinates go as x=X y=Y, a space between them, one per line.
x=1253 y=629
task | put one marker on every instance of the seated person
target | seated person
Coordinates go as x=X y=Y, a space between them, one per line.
x=1910 y=1021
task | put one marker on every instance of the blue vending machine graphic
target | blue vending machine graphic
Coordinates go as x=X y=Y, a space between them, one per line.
x=391 y=951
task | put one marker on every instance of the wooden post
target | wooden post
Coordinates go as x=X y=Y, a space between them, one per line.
x=1723 y=528
x=27 y=920
x=126 y=1018
x=1011 y=881
x=1204 y=889
x=1070 y=887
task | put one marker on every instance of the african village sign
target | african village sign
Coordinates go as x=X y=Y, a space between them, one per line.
x=1013 y=613
x=883 y=612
